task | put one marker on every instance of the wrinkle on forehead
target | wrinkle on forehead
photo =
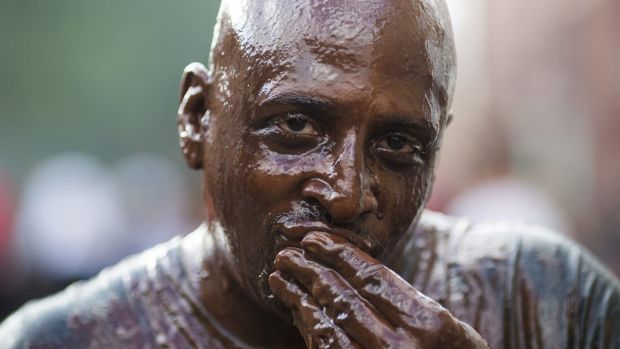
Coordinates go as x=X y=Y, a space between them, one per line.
x=273 y=25
x=275 y=36
x=327 y=29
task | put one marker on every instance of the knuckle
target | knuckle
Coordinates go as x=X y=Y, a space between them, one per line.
x=326 y=336
x=372 y=273
x=341 y=302
x=403 y=339
x=325 y=287
x=372 y=276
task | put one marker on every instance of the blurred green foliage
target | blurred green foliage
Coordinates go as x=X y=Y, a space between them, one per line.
x=95 y=76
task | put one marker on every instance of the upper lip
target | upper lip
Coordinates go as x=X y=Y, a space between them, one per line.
x=295 y=232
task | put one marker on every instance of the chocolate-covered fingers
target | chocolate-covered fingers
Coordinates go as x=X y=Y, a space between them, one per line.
x=317 y=329
x=355 y=315
x=394 y=297
x=417 y=320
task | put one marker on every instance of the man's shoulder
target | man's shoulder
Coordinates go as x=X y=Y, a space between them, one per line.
x=499 y=256
x=98 y=312
x=518 y=276
x=464 y=242
x=49 y=321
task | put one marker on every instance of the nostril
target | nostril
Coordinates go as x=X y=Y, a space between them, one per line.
x=316 y=210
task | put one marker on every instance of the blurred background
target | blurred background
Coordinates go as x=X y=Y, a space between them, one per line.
x=90 y=169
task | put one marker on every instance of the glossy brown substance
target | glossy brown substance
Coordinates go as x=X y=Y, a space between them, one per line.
x=320 y=116
x=518 y=286
x=317 y=126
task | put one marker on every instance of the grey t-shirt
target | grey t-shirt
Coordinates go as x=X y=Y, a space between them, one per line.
x=519 y=286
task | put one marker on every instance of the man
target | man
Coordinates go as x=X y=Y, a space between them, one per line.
x=317 y=127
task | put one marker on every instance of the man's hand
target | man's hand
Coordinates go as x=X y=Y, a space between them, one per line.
x=341 y=297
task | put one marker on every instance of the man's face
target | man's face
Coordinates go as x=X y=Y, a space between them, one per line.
x=323 y=118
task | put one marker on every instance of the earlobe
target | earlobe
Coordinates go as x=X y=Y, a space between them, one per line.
x=193 y=113
x=449 y=118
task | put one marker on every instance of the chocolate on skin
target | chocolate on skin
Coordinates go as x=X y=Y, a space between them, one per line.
x=317 y=125
x=368 y=299
x=338 y=300
x=315 y=326
x=315 y=115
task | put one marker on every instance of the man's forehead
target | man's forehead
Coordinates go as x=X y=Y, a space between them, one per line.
x=399 y=37
x=272 y=25
x=348 y=27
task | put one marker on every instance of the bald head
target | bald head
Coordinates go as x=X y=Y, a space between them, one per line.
x=273 y=37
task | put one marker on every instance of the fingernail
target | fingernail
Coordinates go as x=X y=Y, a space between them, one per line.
x=312 y=249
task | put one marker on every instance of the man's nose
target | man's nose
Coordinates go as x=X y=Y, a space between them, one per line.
x=346 y=189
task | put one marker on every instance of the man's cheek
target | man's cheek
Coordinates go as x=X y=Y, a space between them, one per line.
x=406 y=198
x=270 y=173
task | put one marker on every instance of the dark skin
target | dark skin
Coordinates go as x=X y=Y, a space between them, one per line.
x=342 y=297
x=317 y=128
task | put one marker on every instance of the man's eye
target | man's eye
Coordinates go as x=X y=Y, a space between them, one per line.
x=398 y=144
x=298 y=125
x=399 y=150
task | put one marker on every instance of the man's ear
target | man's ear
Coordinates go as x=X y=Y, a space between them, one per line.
x=193 y=114
x=450 y=117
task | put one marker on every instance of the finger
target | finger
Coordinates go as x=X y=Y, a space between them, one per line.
x=393 y=296
x=317 y=329
x=354 y=314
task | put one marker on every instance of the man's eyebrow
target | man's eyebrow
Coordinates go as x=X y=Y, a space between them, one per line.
x=427 y=130
x=408 y=122
x=303 y=100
